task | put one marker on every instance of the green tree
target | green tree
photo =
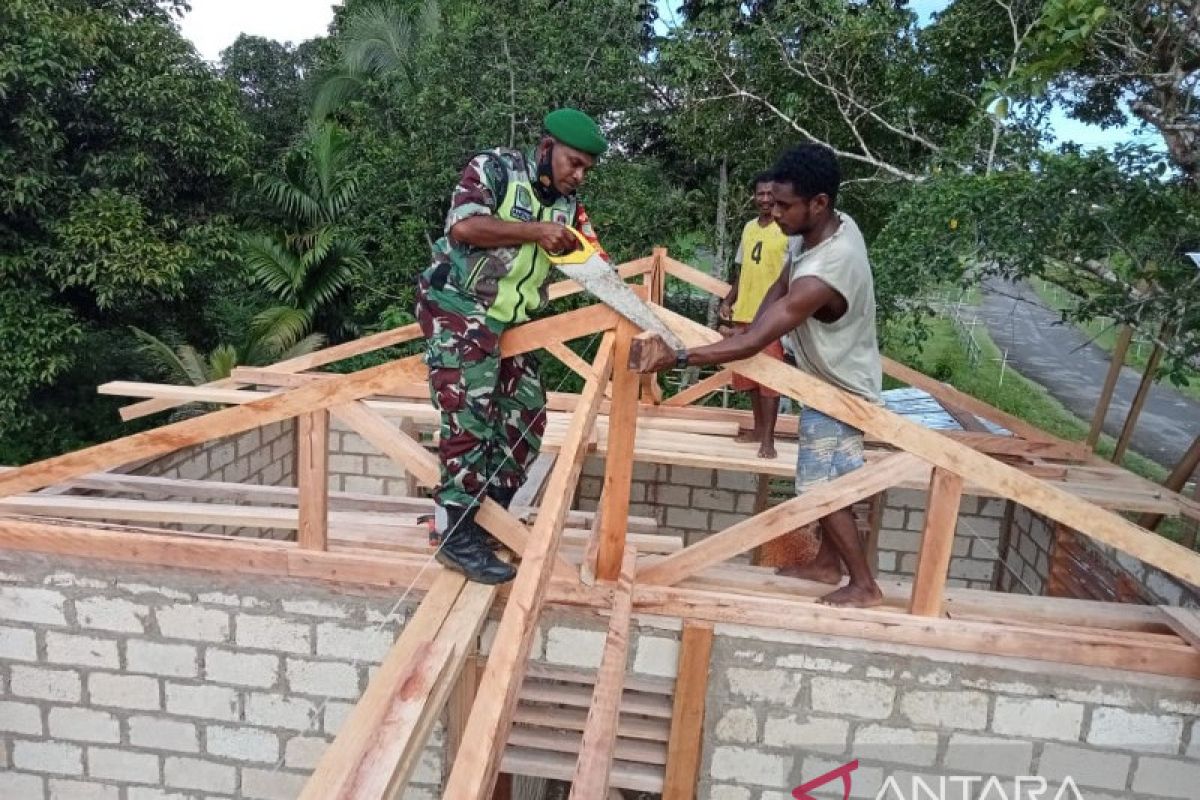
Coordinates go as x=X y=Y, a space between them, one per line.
x=121 y=151
x=274 y=82
x=308 y=264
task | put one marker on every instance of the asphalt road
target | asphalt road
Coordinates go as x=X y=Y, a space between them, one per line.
x=1060 y=358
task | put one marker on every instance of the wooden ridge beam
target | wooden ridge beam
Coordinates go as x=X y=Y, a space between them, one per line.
x=1040 y=496
x=590 y=781
x=474 y=772
x=779 y=520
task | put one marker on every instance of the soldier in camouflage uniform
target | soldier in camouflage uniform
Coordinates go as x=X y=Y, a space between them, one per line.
x=489 y=272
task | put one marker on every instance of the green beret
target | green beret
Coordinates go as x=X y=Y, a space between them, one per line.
x=576 y=129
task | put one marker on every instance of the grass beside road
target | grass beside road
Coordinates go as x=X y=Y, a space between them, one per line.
x=1103 y=332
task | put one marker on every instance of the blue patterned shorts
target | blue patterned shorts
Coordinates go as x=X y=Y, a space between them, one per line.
x=829 y=449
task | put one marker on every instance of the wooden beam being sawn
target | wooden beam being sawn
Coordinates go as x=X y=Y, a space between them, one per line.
x=940 y=391
x=1039 y=496
x=478 y=760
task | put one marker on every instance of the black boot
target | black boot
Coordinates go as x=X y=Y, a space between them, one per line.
x=463 y=549
x=504 y=498
x=501 y=495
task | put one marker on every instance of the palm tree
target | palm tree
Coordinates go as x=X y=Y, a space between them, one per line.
x=185 y=364
x=378 y=43
x=307 y=266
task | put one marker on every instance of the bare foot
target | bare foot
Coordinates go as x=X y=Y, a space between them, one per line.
x=747 y=437
x=854 y=596
x=821 y=573
x=767 y=450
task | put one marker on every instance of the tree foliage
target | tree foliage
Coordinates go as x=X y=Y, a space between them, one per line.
x=238 y=211
x=120 y=150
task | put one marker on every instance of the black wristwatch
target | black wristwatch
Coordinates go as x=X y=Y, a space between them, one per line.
x=681 y=359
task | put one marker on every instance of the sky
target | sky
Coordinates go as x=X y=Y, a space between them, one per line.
x=212 y=25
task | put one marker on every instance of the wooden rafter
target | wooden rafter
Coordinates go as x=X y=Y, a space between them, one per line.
x=378 y=745
x=1040 y=496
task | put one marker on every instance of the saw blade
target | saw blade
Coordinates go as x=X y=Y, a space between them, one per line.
x=600 y=280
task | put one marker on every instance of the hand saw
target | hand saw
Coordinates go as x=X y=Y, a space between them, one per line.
x=598 y=278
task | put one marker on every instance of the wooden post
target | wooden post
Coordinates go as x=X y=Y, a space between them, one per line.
x=937 y=542
x=408 y=426
x=594 y=766
x=312 y=478
x=1139 y=400
x=1110 y=384
x=458 y=707
x=618 y=465
x=687 y=716
x=656 y=284
x=1176 y=480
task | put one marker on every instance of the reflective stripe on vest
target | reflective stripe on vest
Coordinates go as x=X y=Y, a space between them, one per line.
x=520 y=290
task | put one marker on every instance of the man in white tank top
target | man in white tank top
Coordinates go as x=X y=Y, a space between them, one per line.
x=824 y=302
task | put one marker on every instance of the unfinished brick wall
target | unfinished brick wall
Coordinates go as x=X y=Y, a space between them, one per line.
x=357 y=466
x=133 y=684
x=787 y=708
x=975 y=557
x=264 y=456
x=122 y=683
x=693 y=503
x=1027 y=557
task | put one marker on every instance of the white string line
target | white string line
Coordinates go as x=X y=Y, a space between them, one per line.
x=391 y=614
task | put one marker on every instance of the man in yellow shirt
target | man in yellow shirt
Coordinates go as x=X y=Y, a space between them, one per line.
x=760 y=256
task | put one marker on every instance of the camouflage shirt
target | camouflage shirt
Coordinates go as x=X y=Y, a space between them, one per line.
x=480 y=191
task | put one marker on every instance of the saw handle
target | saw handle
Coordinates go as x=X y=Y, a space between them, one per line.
x=577 y=256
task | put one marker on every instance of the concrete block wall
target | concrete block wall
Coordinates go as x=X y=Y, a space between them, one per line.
x=975 y=557
x=694 y=503
x=129 y=684
x=132 y=684
x=785 y=709
x=1027 y=558
x=686 y=501
x=357 y=466
x=264 y=456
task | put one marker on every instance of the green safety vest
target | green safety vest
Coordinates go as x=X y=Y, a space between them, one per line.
x=521 y=289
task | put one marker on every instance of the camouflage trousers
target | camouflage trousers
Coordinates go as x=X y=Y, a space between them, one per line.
x=493 y=409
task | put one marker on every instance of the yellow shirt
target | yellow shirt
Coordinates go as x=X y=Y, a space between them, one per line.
x=761 y=254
